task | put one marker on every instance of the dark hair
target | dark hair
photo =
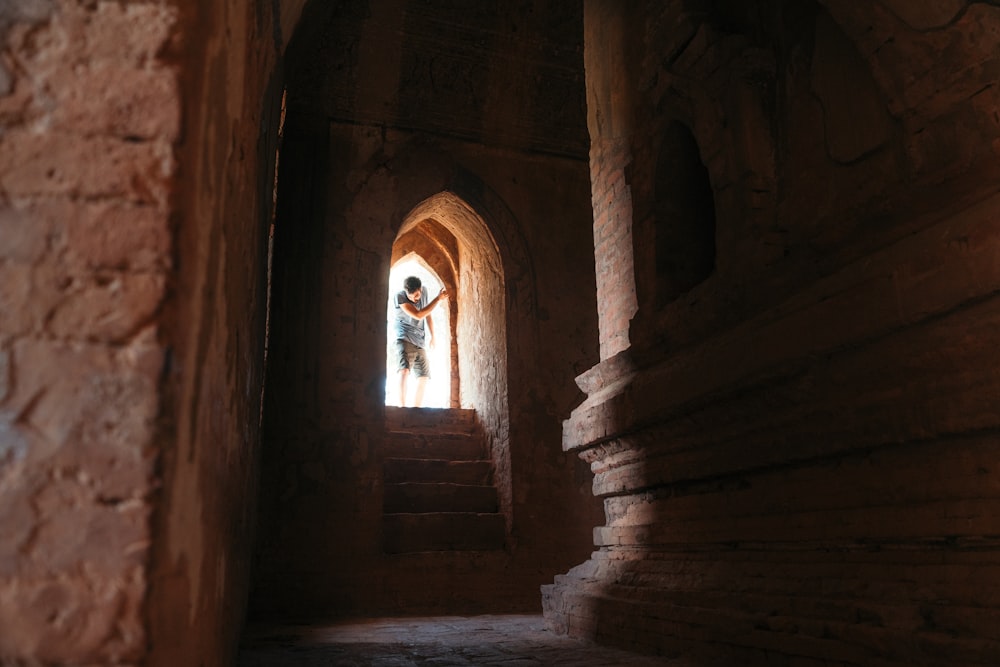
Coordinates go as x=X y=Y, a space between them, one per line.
x=411 y=284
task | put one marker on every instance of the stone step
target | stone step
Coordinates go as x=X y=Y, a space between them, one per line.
x=400 y=470
x=442 y=531
x=449 y=446
x=430 y=420
x=437 y=497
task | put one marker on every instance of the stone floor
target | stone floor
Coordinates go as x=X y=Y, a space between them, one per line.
x=480 y=641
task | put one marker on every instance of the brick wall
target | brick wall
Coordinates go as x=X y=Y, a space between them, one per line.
x=609 y=119
x=131 y=336
x=796 y=457
x=88 y=119
x=227 y=57
x=613 y=245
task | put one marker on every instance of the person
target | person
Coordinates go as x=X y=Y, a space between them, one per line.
x=412 y=311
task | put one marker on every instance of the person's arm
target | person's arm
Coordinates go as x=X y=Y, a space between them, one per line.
x=422 y=313
x=430 y=329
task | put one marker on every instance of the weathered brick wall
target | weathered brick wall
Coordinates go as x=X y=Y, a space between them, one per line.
x=482 y=332
x=215 y=324
x=131 y=336
x=609 y=119
x=88 y=119
x=613 y=245
x=796 y=457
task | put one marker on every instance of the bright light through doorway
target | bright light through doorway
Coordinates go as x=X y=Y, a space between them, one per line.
x=438 y=393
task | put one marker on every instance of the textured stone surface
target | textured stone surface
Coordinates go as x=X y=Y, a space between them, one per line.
x=91 y=103
x=608 y=119
x=227 y=55
x=795 y=458
x=480 y=641
x=925 y=14
x=80 y=355
x=488 y=73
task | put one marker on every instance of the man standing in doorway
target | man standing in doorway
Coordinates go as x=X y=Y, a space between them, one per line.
x=412 y=310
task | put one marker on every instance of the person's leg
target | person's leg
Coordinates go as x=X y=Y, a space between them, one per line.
x=403 y=368
x=403 y=374
x=418 y=399
x=422 y=370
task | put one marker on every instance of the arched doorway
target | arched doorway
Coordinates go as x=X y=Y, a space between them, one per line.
x=459 y=250
x=351 y=188
x=438 y=390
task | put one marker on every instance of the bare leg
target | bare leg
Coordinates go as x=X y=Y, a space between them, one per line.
x=403 y=373
x=418 y=400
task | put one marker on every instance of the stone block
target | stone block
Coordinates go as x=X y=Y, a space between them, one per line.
x=115 y=99
x=73 y=619
x=24 y=298
x=109 y=307
x=56 y=163
x=25 y=235
x=17 y=521
x=79 y=528
x=439 y=497
x=854 y=112
x=115 y=235
x=443 y=446
x=399 y=470
x=75 y=387
x=446 y=531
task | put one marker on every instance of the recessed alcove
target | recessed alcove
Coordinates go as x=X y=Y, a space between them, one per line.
x=684 y=216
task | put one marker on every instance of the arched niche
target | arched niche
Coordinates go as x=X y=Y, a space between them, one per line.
x=684 y=216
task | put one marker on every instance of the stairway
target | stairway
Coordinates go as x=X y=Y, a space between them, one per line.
x=438 y=482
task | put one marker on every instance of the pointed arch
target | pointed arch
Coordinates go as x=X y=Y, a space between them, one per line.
x=451 y=231
x=495 y=307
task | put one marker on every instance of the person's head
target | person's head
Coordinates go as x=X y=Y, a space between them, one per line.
x=412 y=286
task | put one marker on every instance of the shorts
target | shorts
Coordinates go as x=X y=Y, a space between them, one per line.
x=409 y=356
